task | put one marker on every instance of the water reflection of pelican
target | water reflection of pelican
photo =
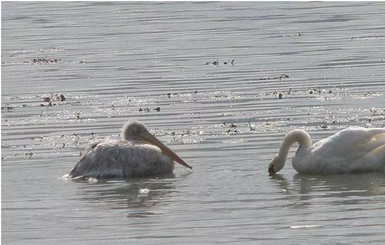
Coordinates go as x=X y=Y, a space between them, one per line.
x=138 y=154
x=140 y=197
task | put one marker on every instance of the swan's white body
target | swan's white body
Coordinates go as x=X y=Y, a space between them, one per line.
x=138 y=154
x=351 y=150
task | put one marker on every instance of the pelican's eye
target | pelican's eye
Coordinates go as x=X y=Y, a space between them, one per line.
x=135 y=130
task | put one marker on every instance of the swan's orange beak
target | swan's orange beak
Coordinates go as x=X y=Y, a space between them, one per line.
x=147 y=136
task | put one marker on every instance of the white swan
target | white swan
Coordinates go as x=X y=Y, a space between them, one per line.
x=351 y=150
x=138 y=154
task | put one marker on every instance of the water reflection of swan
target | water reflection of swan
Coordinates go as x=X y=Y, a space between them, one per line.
x=304 y=188
x=354 y=149
x=138 y=154
x=366 y=184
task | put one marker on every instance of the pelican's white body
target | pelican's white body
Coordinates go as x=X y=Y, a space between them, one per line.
x=351 y=150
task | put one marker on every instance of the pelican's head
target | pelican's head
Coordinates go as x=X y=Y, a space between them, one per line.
x=275 y=165
x=136 y=131
x=132 y=131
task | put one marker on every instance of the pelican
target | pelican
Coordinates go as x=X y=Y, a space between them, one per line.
x=138 y=154
x=351 y=150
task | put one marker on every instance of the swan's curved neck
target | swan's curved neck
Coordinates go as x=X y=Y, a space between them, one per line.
x=296 y=136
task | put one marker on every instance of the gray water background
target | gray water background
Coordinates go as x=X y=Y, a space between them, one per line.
x=120 y=61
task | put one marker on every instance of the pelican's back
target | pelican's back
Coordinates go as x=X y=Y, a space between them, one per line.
x=122 y=159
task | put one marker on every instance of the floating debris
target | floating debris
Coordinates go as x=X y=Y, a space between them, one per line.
x=231 y=62
x=320 y=91
x=252 y=127
x=233 y=127
x=173 y=94
x=145 y=109
x=60 y=97
x=282 y=76
x=216 y=62
x=324 y=126
x=279 y=94
x=54 y=97
x=148 y=109
x=44 y=61
x=28 y=154
x=7 y=108
x=297 y=34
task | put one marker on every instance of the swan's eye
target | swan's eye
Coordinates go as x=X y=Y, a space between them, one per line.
x=271 y=170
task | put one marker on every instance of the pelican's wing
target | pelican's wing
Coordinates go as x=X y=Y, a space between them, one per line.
x=91 y=161
x=116 y=159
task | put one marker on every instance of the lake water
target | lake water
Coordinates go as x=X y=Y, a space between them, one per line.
x=219 y=82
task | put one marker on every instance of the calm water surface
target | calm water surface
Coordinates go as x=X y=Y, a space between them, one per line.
x=316 y=66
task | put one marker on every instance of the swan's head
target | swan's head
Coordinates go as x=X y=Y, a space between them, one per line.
x=136 y=131
x=275 y=165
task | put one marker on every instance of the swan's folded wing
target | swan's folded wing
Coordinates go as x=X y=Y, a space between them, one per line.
x=375 y=150
x=350 y=150
x=368 y=141
x=352 y=142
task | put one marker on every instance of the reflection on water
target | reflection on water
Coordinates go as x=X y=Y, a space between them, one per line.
x=366 y=184
x=308 y=190
x=138 y=196
x=326 y=208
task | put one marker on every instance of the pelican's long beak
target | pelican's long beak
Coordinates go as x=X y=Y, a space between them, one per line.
x=147 y=136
